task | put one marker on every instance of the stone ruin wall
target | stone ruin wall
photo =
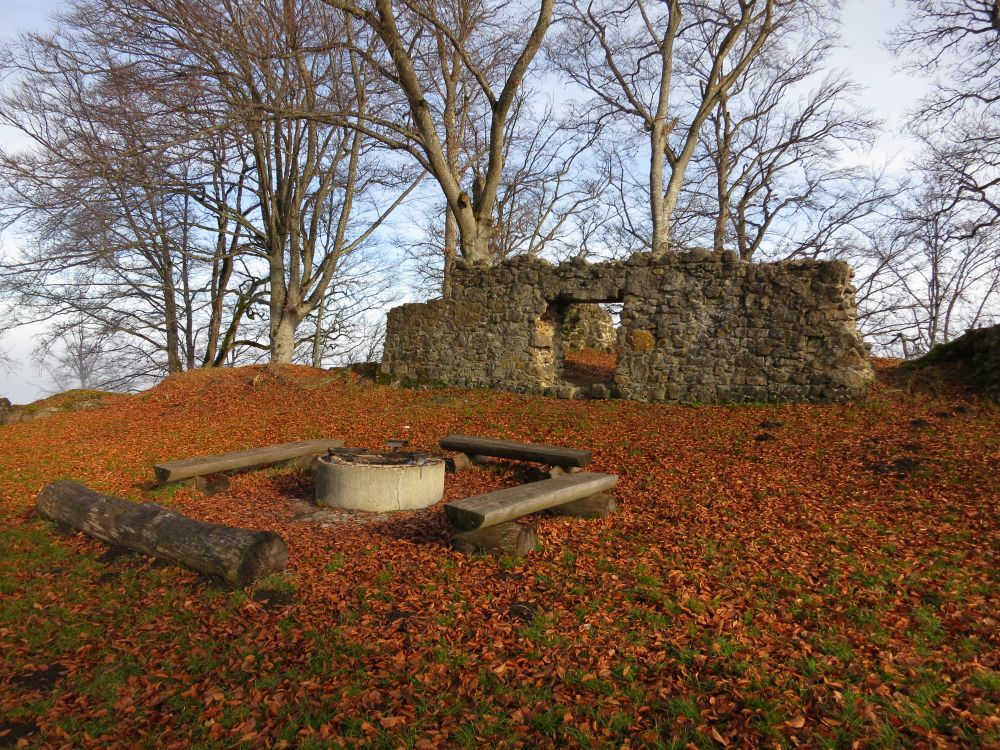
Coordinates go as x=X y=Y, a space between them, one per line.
x=695 y=327
x=588 y=327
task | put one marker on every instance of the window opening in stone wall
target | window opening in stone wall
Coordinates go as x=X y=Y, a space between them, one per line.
x=588 y=338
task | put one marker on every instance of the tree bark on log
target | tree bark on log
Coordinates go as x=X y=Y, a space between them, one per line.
x=237 y=555
x=513 y=538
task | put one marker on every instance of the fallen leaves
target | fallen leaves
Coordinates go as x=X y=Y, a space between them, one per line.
x=746 y=593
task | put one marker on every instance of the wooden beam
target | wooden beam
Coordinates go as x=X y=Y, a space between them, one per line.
x=512 y=538
x=238 y=555
x=185 y=468
x=553 y=455
x=496 y=507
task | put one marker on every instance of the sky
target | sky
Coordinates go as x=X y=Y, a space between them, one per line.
x=887 y=91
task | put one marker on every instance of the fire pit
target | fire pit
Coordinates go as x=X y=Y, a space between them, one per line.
x=356 y=479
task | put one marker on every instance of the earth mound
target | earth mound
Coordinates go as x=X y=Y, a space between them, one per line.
x=972 y=360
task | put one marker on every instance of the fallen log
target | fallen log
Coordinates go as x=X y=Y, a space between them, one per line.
x=457 y=462
x=513 y=538
x=237 y=555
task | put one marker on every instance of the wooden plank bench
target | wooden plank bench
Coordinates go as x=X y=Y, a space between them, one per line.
x=553 y=455
x=191 y=468
x=486 y=521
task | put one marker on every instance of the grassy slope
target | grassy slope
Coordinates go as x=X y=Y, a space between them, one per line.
x=811 y=589
x=69 y=400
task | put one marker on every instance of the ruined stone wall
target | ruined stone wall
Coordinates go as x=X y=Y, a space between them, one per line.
x=695 y=327
x=588 y=327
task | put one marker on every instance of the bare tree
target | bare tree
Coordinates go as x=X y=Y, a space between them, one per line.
x=773 y=148
x=341 y=326
x=949 y=275
x=78 y=354
x=665 y=67
x=956 y=44
x=477 y=42
x=256 y=61
x=226 y=183
x=108 y=236
x=544 y=193
x=956 y=40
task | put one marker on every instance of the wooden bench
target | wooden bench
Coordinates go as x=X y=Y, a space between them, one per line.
x=565 y=459
x=214 y=466
x=486 y=521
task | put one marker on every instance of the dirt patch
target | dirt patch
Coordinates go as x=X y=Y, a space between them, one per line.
x=273 y=599
x=304 y=511
x=13 y=731
x=523 y=611
x=39 y=680
x=899 y=467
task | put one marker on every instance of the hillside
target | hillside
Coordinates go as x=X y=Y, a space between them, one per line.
x=826 y=578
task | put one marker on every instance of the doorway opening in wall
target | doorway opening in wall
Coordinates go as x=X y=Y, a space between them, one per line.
x=587 y=334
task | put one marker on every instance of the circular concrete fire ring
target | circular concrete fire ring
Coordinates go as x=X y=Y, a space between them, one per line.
x=379 y=483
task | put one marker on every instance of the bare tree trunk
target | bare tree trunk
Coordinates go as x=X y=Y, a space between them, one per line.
x=170 y=323
x=317 y=353
x=283 y=339
x=724 y=139
x=661 y=223
x=474 y=217
x=450 y=246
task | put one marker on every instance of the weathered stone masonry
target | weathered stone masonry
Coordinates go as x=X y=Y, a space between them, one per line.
x=695 y=327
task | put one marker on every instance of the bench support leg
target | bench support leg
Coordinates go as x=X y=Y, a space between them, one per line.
x=512 y=538
x=593 y=506
x=458 y=462
x=209 y=484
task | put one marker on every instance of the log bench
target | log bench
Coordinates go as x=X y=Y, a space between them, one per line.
x=562 y=460
x=487 y=522
x=201 y=467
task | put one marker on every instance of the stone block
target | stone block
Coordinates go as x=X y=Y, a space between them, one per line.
x=600 y=391
x=640 y=340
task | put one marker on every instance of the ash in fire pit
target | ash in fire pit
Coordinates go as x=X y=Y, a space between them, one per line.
x=358 y=479
x=368 y=458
